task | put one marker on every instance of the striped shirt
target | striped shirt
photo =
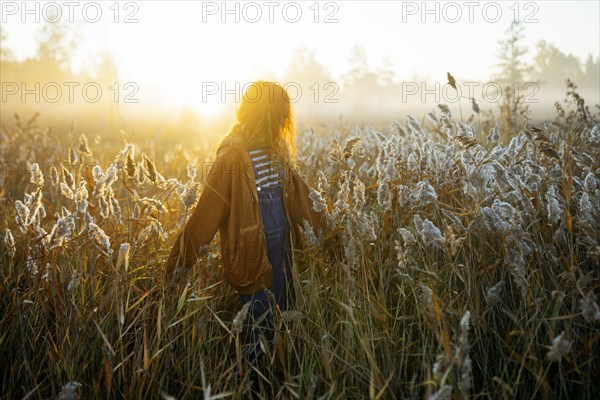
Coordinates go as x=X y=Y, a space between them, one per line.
x=266 y=171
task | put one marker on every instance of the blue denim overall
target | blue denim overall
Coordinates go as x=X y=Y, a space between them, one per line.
x=277 y=236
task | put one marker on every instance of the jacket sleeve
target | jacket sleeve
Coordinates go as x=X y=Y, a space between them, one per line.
x=302 y=208
x=209 y=214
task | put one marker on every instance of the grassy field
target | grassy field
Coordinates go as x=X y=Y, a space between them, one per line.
x=466 y=265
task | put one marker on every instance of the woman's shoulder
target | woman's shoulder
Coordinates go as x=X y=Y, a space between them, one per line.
x=229 y=149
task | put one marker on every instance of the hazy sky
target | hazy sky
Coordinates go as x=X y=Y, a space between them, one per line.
x=178 y=45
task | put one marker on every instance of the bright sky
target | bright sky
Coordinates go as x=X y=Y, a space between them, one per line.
x=178 y=45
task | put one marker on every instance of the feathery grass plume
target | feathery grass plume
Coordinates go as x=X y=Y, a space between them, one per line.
x=341 y=200
x=427 y=307
x=493 y=294
x=54 y=177
x=309 y=234
x=444 y=393
x=99 y=178
x=413 y=126
x=412 y=162
x=423 y=194
x=467 y=142
x=451 y=80
x=190 y=194
x=384 y=196
x=153 y=229
x=322 y=182
x=475 y=107
x=112 y=175
x=123 y=257
x=37 y=177
x=115 y=208
x=130 y=168
x=441 y=366
x=493 y=221
x=462 y=358
x=72 y=157
x=350 y=147
x=100 y=237
x=38 y=211
x=358 y=193
x=590 y=183
x=70 y=391
x=494 y=134
x=594 y=136
x=349 y=244
x=430 y=234
x=586 y=212
x=542 y=143
x=9 y=242
x=463 y=346
x=335 y=153
x=554 y=207
x=368 y=224
x=81 y=197
x=68 y=178
x=402 y=260
x=403 y=197
x=433 y=118
x=466 y=376
x=155 y=204
x=149 y=168
x=559 y=348
x=407 y=238
x=508 y=213
x=47 y=272
x=87 y=220
x=191 y=171
x=32 y=266
x=22 y=216
x=74 y=280
x=104 y=207
x=83 y=147
x=240 y=318
x=61 y=231
x=140 y=175
x=589 y=308
x=516 y=261
x=445 y=110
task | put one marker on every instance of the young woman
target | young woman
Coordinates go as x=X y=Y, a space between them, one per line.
x=257 y=200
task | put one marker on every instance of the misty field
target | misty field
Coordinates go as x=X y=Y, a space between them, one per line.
x=463 y=263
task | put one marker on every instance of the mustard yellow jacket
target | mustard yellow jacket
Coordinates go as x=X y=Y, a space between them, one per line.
x=229 y=203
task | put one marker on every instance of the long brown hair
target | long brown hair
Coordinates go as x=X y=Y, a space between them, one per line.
x=265 y=119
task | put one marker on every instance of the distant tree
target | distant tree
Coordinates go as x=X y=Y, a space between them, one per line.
x=387 y=73
x=55 y=43
x=512 y=72
x=304 y=68
x=591 y=74
x=312 y=77
x=361 y=84
x=551 y=66
x=359 y=75
x=5 y=53
x=510 y=56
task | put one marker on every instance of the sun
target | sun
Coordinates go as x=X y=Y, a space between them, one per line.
x=208 y=107
x=189 y=95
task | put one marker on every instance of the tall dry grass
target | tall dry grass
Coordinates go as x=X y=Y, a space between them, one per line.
x=459 y=266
